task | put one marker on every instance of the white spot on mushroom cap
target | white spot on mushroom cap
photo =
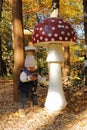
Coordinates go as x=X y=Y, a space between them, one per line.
x=53 y=20
x=52 y=39
x=60 y=38
x=36 y=35
x=66 y=38
x=59 y=26
x=53 y=28
x=37 y=29
x=74 y=38
x=41 y=28
x=66 y=27
x=34 y=39
x=37 y=40
x=60 y=21
x=49 y=34
x=43 y=32
x=72 y=32
x=56 y=35
x=42 y=21
x=68 y=34
x=71 y=39
x=62 y=32
x=46 y=39
x=41 y=38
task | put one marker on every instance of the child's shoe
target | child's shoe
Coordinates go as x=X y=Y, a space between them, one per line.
x=21 y=113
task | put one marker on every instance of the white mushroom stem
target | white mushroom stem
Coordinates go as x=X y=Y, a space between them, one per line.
x=55 y=98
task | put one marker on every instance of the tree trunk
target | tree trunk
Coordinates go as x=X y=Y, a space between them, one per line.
x=18 y=40
x=0 y=56
x=66 y=64
x=85 y=30
x=85 y=18
x=1 y=3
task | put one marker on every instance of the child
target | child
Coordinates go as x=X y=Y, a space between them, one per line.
x=28 y=83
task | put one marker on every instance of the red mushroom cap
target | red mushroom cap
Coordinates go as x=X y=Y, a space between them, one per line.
x=54 y=30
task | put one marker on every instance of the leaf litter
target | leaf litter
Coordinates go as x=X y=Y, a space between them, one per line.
x=74 y=117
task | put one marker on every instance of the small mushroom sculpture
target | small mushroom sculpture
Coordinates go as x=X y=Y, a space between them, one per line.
x=30 y=48
x=54 y=33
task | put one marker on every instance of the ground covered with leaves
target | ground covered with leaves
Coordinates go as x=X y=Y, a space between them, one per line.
x=74 y=117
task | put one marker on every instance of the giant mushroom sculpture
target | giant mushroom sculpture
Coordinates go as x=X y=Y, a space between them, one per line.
x=54 y=33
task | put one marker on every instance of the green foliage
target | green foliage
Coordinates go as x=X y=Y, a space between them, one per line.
x=6 y=37
x=41 y=58
x=77 y=74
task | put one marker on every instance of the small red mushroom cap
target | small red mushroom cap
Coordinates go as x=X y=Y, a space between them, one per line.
x=53 y=30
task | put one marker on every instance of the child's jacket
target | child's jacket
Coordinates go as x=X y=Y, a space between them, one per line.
x=28 y=85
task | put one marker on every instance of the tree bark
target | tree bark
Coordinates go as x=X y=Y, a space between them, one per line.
x=85 y=18
x=1 y=3
x=18 y=40
x=85 y=30
x=0 y=56
x=66 y=64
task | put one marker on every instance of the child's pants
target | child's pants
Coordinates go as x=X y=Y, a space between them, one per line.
x=22 y=98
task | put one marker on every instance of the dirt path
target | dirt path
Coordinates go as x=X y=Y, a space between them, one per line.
x=74 y=117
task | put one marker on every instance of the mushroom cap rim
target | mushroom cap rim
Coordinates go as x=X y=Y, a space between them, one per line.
x=30 y=48
x=63 y=43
